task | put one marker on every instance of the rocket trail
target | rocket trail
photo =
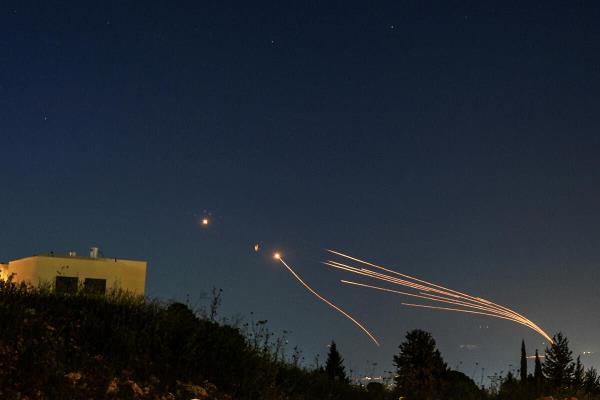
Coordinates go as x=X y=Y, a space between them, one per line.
x=490 y=312
x=454 y=309
x=323 y=299
x=432 y=292
x=426 y=295
x=435 y=298
x=431 y=285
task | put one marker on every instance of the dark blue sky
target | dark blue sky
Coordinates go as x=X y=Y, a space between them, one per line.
x=457 y=141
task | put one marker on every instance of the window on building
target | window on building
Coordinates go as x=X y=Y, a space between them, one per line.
x=66 y=284
x=94 y=286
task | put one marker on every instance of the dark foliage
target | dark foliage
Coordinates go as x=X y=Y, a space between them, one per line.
x=334 y=366
x=420 y=368
x=376 y=391
x=565 y=378
x=558 y=364
x=458 y=386
x=538 y=375
x=422 y=374
x=523 y=369
x=124 y=347
x=591 y=382
x=578 y=375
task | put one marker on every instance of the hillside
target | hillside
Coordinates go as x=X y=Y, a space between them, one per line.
x=125 y=347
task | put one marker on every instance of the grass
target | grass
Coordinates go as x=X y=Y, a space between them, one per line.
x=122 y=346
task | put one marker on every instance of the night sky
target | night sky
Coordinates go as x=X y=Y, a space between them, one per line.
x=455 y=141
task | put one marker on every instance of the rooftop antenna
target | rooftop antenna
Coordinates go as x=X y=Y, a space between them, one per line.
x=93 y=252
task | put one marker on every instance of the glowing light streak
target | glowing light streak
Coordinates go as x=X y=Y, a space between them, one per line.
x=490 y=312
x=467 y=304
x=323 y=299
x=457 y=310
x=420 y=287
x=445 y=291
x=426 y=290
x=432 y=285
x=432 y=297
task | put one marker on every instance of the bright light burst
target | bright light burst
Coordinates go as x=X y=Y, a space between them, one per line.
x=278 y=257
x=429 y=291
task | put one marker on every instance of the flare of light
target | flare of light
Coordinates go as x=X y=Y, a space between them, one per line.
x=455 y=309
x=431 y=285
x=445 y=291
x=205 y=221
x=427 y=289
x=440 y=299
x=323 y=299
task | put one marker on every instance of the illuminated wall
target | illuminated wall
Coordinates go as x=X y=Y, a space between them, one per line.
x=3 y=268
x=127 y=275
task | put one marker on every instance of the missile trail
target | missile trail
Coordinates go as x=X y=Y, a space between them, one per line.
x=445 y=291
x=490 y=312
x=323 y=299
x=432 y=292
x=432 y=285
x=453 y=300
x=454 y=309
x=436 y=298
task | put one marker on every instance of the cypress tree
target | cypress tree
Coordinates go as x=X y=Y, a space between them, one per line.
x=334 y=367
x=578 y=375
x=537 y=372
x=523 y=363
x=591 y=384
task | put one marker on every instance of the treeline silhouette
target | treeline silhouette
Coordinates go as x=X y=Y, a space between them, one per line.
x=119 y=346
x=558 y=376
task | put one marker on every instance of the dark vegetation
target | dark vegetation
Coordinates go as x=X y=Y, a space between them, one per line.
x=119 y=346
x=124 y=347
x=422 y=374
x=558 y=376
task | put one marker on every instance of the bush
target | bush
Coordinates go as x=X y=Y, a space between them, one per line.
x=121 y=346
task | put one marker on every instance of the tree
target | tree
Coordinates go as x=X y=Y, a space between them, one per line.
x=578 y=375
x=458 y=386
x=510 y=388
x=591 y=383
x=538 y=376
x=376 y=391
x=420 y=367
x=558 y=364
x=334 y=367
x=523 y=363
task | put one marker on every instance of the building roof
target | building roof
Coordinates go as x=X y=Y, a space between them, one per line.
x=77 y=257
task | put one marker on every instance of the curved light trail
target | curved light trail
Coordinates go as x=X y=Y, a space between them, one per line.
x=323 y=299
x=432 y=292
